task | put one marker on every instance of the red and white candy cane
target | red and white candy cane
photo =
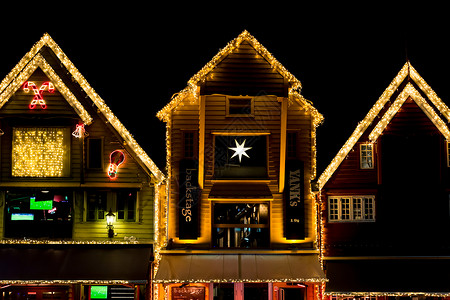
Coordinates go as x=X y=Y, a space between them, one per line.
x=38 y=99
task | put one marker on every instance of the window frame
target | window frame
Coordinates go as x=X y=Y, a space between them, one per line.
x=363 y=157
x=341 y=209
x=126 y=210
x=240 y=98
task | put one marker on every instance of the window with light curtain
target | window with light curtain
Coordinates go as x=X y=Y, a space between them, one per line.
x=40 y=152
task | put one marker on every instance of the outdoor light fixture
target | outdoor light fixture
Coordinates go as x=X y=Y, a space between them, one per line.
x=110 y=217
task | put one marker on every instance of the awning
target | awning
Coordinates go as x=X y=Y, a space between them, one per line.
x=239 y=268
x=393 y=276
x=259 y=191
x=75 y=263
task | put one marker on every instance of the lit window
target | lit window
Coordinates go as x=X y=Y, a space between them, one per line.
x=351 y=209
x=240 y=225
x=366 y=156
x=41 y=152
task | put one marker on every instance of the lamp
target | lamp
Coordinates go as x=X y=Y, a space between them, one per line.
x=110 y=217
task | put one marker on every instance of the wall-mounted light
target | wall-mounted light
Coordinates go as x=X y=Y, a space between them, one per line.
x=110 y=218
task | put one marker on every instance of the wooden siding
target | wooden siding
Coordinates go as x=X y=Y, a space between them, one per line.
x=410 y=189
x=244 y=72
x=267 y=119
x=59 y=113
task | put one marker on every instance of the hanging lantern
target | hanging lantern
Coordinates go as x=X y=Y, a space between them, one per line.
x=116 y=158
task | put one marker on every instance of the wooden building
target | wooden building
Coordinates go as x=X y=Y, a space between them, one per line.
x=385 y=198
x=67 y=165
x=240 y=217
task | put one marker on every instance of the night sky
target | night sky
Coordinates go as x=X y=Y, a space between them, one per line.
x=137 y=56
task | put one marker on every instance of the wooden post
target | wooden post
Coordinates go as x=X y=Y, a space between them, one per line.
x=283 y=133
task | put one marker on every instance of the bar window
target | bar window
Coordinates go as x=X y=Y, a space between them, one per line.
x=240 y=225
x=366 y=156
x=351 y=209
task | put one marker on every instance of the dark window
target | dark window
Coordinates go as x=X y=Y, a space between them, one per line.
x=240 y=157
x=189 y=144
x=241 y=225
x=256 y=291
x=38 y=214
x=240 y=106
x=96 y=206
x=223 y=291
x=291 y=144
x=95 y=153
x=126 y=205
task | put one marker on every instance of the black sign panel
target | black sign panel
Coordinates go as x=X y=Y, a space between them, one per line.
x=188 y=204
x=294 y=198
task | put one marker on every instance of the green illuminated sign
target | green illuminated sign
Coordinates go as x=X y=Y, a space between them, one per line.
x=40 y=205
x=99 y=292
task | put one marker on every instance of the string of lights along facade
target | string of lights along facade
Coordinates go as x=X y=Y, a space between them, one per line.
x=76 y=190
x=240 y=217
x=385 y=199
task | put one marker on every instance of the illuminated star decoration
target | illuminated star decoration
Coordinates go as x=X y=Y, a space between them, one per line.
x=240 y=150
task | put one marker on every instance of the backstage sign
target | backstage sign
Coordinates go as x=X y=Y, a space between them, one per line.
x=294 y=227
x=188 y=210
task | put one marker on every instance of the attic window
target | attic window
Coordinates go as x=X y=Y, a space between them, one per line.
x=240 y=106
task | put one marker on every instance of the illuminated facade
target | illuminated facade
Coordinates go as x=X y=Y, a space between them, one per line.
x=67 y=164
x=385 y=199
x=240 y=219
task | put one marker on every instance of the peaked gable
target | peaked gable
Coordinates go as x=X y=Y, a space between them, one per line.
x=35 y=59
x=192 y=89
x=388 y=111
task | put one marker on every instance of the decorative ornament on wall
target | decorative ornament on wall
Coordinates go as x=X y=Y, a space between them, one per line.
x=38 y=98
x=80 y=131
x=240 y=150
x=116 y=158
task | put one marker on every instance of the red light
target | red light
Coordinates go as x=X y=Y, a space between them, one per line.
x=38 y=99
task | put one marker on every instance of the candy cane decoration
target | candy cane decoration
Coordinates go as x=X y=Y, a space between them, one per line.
x=38 y=99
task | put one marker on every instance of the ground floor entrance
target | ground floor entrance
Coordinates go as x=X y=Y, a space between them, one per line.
x=240 y=291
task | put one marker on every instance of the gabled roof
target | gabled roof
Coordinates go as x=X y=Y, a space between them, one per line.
x=191 y=91
x=408 y=90
x=33 y=59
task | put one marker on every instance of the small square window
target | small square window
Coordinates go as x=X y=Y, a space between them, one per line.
x=240 y=106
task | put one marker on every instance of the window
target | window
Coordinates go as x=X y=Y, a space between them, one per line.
x=366 y=156
x=351 y=209
x=291 y=144
x=126 y=206
x=38 y=213
x=240 y=225
x=96 y=206
x=95 y=153
x=240 y=157
x=41 y=152
x=240 y=106
x=189 y=144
